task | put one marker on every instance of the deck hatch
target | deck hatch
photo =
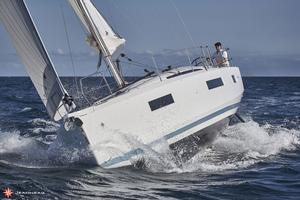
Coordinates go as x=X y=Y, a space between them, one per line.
x=161 y=102
x=214 y=83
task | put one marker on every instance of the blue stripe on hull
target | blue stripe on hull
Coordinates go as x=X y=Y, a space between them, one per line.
x=139 y=151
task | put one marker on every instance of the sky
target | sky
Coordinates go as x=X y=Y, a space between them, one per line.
x=263 y=35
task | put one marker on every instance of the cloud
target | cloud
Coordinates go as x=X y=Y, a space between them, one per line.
x=268 y=65
x=251 y=64
x=93 y=53
x=60 y=51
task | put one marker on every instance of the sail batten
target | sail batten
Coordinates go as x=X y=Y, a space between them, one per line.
x=29 y=46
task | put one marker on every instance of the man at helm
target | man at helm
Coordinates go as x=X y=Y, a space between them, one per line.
x=220 y=56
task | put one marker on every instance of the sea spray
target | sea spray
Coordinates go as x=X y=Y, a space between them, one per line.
x=41 y=147
x=239 y=146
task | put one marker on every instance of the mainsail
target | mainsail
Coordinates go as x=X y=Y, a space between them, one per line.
x=101 y=35
x=17 y=20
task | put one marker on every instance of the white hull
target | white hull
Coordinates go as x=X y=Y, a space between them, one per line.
x=158 y=109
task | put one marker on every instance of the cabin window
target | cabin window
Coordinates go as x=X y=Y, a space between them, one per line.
x=214 y=83
x=161 y=102
x=233 y=78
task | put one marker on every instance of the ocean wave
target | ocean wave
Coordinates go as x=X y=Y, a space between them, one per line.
x=40 y=121
x=42 y=127
x=21 y=99
x=294 y=98
x=26 y=109
x=240 y=146
x=39 y=152
x=12 y=142
x=49 y=129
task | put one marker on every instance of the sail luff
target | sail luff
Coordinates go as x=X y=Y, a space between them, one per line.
x=78 y=12
x=16 y=18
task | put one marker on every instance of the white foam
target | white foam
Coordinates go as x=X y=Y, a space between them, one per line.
x=26 y=109
x=38 y=152
x=240 y=146
x=49 y=129
x=11 y=142
x=43 y=125
x=40 y=121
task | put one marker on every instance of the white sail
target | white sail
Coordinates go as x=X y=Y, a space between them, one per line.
x=113 y=42
x=17 y=20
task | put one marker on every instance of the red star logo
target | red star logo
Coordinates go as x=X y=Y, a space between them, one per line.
x=8 y=193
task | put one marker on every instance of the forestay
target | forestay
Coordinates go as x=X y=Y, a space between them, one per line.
x=86 y=10
x=17 y=20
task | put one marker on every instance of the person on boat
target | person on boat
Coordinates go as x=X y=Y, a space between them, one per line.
x=220 y=56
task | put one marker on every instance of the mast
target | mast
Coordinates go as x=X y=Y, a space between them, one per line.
x=107 y=42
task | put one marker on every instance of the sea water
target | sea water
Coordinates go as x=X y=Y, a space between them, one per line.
x=259 y=159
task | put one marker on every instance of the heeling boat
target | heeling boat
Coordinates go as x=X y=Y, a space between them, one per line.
x=177 y=106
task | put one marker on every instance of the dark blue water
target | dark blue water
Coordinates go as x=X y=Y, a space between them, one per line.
x=256 y=160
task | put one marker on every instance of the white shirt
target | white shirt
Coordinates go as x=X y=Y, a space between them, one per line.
x=221 y=58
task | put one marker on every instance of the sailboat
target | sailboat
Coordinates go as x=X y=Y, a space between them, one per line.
x=172 y=105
